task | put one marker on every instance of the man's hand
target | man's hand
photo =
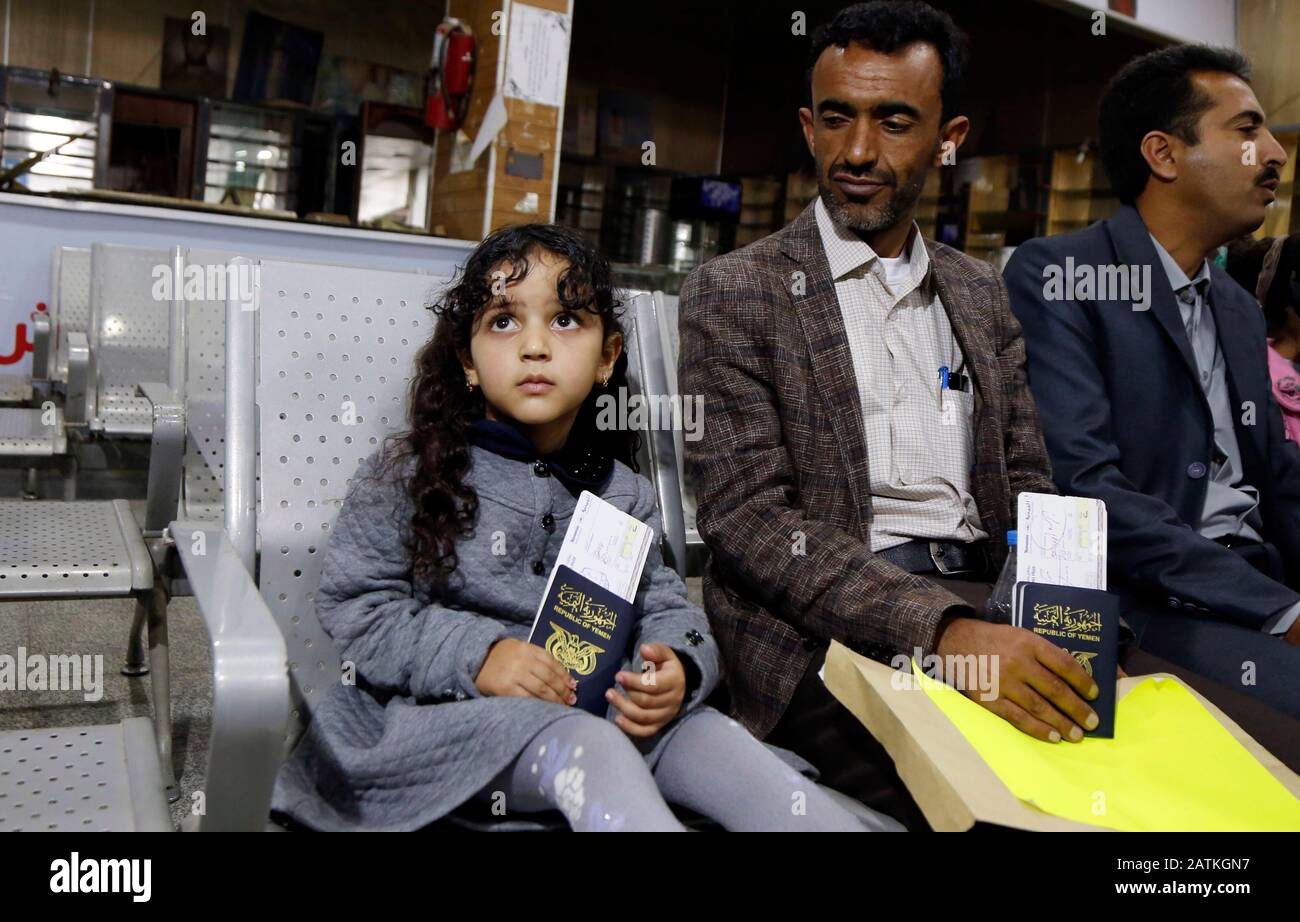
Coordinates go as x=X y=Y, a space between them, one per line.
x=1292 y=636
x=1041 y=688
x=516 y=668
x=652 y=698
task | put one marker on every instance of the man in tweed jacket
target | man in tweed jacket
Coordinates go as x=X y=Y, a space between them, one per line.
x=813 y=534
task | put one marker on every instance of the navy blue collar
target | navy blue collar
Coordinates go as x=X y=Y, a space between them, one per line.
x=578 y=468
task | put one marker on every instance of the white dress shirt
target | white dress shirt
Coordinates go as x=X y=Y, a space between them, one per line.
x=919 y=437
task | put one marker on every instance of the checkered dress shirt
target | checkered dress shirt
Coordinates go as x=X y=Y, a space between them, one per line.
x=918 y=437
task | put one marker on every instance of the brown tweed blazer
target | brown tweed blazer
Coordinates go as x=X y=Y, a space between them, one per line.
x=782 y=465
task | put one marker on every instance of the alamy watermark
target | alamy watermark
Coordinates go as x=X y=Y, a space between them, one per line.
x=53 y=672
x=210 y=282
x=970 y=672
x=75 y=874
x=657 y=411
x=1085 y=282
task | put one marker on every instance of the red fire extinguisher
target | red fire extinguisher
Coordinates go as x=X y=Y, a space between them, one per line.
x=451 y=75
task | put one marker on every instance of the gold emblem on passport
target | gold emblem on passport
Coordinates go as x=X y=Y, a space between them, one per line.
x=571 y=651
x=577 y=606
x=1066 y=619
x=1085 y=658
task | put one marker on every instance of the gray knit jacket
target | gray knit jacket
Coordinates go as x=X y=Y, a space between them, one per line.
x=415 y=738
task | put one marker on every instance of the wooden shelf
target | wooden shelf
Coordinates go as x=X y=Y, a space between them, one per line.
x=1079 y=193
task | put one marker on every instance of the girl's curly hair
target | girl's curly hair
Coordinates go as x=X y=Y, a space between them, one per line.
x=441 y=408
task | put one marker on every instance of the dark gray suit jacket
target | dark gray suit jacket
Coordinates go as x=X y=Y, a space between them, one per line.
x=1127 y=422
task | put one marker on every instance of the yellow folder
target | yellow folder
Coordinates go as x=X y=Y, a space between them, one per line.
x=1171 y=766
x=1176 y=762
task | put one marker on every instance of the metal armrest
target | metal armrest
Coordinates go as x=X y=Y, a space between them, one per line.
x=166 y=457
x=250 y=705
x=660 y=444
x=80 y=404
x=142 y=567
x=40 y=347
x=668 y=490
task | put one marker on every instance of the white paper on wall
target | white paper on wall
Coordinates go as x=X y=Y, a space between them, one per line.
x=537 y=55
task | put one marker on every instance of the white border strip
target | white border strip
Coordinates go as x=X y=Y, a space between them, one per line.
x=30 y=200
x=492 y=148
x=559 y=117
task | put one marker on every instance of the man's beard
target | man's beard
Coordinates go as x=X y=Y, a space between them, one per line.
x=875 y=218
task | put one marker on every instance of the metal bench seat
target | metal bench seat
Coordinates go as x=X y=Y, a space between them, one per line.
x=101 y=778
x=51 y=549
x=95 y=549
x=23 y=433
x=123 y=413
x=15 y=388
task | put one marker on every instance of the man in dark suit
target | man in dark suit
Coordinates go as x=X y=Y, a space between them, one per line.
x=1149 y=368
x=844 y=493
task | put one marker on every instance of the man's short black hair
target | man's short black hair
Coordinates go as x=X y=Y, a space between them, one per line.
x=890 y=25
x=1155 y=92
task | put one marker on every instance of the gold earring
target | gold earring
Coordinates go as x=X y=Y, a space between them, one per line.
x=605 y=382
x=469 y=386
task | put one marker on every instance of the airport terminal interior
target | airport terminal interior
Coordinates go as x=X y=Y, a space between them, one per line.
x=222 y=229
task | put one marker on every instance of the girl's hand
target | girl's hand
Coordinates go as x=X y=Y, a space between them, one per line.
x=654 y=697
x=518 y=669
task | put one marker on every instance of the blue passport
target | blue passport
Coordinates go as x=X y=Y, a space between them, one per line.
x=588 y=629
x=1084 y=623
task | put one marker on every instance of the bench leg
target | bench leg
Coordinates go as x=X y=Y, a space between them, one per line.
x=70 y=477
x=160 y=686
x=135 y=664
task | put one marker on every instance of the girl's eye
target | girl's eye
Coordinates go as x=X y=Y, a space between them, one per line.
x=570 y=320
x=496 y=321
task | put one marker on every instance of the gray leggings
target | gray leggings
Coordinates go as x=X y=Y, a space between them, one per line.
x=590 y=771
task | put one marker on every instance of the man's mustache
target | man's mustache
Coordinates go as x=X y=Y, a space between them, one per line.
x=1266 y=174
x=884 y=179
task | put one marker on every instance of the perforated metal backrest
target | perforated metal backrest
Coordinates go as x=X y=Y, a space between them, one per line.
x=129 y=327
x=205 y=329
x=71 y=300
x=205 y=382
x=336 y=349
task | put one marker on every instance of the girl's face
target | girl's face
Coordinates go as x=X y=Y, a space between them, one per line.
x=535 y=360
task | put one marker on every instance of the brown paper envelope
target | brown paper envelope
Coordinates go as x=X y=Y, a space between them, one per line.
x=953 y=786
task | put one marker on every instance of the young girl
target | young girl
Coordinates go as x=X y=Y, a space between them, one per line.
x=438 y=561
